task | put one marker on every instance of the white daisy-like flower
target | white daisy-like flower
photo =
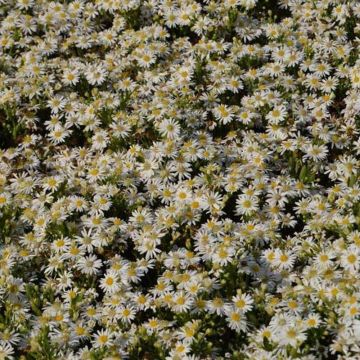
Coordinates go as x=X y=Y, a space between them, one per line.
x=110 y=282
x=95 y=74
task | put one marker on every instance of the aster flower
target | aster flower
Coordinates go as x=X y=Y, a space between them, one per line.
x=236 y=320
x=103 y=338
x=109 y=283
x=95 y=74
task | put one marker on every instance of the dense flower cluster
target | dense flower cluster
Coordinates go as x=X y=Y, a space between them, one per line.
x=179 y=179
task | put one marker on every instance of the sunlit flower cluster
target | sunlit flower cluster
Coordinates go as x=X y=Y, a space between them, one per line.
x=179 y=179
